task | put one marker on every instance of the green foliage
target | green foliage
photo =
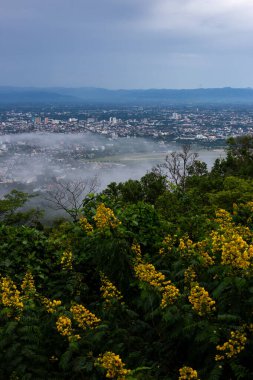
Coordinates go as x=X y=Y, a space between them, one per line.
x=147 y=189
x=10 y=212
x=239 y=160
x=234 y=190
x=162 y=238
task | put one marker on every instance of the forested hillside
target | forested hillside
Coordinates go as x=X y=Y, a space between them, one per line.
x=153 y=281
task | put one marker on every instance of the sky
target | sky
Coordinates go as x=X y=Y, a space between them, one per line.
x=123 y=44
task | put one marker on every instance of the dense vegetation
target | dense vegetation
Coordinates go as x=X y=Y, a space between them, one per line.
x=154 y=281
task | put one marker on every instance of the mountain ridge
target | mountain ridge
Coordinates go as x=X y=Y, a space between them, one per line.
x=14 y=94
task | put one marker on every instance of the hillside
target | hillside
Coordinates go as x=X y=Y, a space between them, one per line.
x=153 y=281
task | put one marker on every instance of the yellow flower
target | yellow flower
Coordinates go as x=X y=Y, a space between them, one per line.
x=85 y=225
x=64 y=325
x=250 y=205
x=10 y=295
x=190 y=276
x=217 y=240
x=84 y=318
x=51 y=306
x=223 y=218
x=168 y=243
x=187 y=373
x=186 y=246
x=169 y=295
x=105 y=218
x=28 y=285
x=235 y=252
x=233 y=346
x=112 y=363
x=136 y=248
x=147 y=273
x=67 y=260
x=201 y=249
x=200 y=300
x=109 y=291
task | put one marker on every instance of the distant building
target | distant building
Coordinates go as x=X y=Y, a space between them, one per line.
x=113 y=120
x=176 y=116
x=37 y=120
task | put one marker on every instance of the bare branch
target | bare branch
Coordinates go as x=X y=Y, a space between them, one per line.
x=69 y=195
x=176 y=165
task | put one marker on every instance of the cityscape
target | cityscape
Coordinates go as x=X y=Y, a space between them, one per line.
x=40 y=145
x=207 y=124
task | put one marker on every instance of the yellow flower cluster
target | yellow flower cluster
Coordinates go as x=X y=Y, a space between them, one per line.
x=10 y=295
x=200 y=300
x=190 y=249
x=51 y=306
x=186 y=246
x=136 y=248
x=105 y=217
x=217 y=240
x=235 y=252
x=28 y=285
x=223 y=218
x=201 y=249
x=84 y=318
x=188 y=373
x=112 y=363
x=231 y=242
x=64 y=325
x=244 y=231
x=227 y=226
x=168 y=244
x=147 y=273
x=67 y=260
x=233 y=346
x=169 y=295
x=85 y=225
x=250 y=205
x=190 y=276
x=108 y=290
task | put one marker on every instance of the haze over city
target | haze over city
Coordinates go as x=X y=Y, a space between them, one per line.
x=126 y=44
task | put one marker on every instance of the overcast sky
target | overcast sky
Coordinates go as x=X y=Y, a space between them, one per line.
x=126 y=43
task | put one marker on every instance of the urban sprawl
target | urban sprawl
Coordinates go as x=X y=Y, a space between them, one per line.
x=208 y=124
x=40 y=146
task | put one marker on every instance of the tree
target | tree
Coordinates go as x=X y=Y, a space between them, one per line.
x=177 y=165
x=198 y=168
x=239 y=159
x=69 y=195
x=240 y=147
x=12 y=210
x=153 y=185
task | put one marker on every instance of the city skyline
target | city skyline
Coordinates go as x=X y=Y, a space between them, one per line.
x=126 y=44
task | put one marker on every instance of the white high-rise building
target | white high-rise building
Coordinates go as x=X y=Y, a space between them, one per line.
x=176 y=116
x=113 y=120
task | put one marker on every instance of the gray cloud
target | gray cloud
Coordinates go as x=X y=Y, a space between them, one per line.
x=127 y=43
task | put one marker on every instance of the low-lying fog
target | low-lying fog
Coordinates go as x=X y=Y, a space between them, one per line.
x=33 y=162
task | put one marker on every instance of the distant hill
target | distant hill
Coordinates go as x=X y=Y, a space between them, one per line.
x=21 y=95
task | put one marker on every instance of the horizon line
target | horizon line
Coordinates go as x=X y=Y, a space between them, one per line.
x=124 y=89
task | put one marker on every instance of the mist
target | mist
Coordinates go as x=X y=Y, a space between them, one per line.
x=34 y=162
